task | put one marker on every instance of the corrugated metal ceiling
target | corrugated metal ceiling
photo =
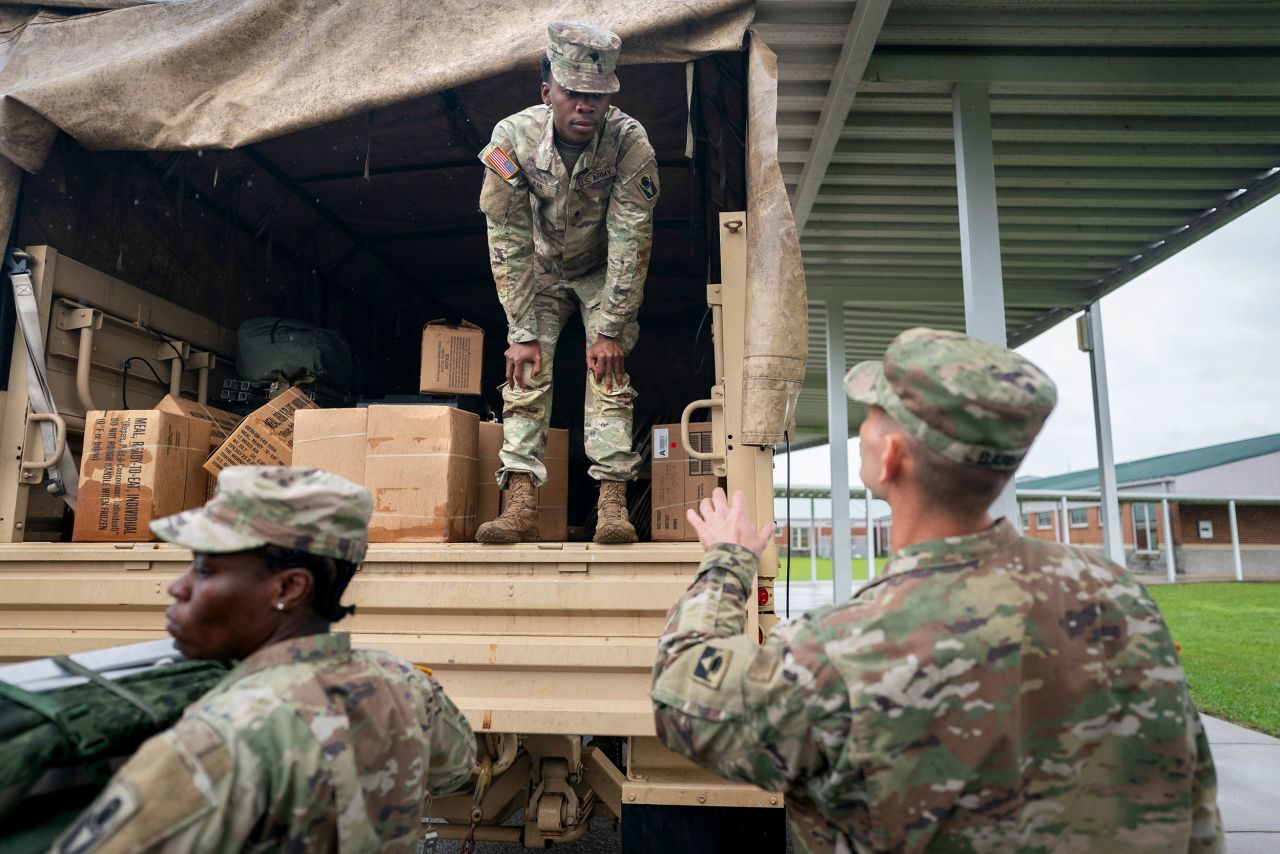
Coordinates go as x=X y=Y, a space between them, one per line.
x=1122 y=131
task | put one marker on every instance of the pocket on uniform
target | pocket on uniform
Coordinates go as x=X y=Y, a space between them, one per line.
x=496 y=197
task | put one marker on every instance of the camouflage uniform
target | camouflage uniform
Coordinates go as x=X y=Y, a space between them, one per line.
x=559 y=240
x=989 y=693
x=307 y=745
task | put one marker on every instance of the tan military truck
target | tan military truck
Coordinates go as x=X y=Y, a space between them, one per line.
x=326 y=170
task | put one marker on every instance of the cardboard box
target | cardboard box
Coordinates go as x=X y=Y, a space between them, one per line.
x=138 y=465
x=451 y=358
x=331 y=439
x=420 y=465
x=679 y=482
x=553 y=496
x=221 y=423
x=488 y=496
x=264 y=437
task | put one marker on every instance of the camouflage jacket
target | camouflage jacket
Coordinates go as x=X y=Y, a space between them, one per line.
x=989 y=693
x=307 y=745
x=546 y=226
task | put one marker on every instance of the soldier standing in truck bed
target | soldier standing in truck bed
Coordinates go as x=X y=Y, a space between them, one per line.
x=989 y=692
x=569 y=191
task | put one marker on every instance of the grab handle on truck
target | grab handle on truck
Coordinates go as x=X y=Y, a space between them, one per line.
x=684 y=430
x=59 y=442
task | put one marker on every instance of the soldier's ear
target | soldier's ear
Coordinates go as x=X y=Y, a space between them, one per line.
x=893 y=456
x=546 y=94
x=294 y=588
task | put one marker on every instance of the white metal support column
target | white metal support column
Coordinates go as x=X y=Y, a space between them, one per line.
x=980 y=231
x=1112 y=538
x=1066 y=523
x=871 y=537
x=838 y=440
x=813 y=539
x=1235 y=540
x=1169 y=565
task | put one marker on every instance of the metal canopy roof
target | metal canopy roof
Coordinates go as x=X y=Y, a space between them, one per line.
x=1122 y=132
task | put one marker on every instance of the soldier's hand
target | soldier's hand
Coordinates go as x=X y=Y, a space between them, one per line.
x=605 y=361
x=519 y=355
x=722 y=522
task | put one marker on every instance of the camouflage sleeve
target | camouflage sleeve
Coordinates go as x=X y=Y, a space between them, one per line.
x=630 y=226
x=767 y=714
x=452 y=743
x=505 y=203
x=179 y=792
x=1206 y=822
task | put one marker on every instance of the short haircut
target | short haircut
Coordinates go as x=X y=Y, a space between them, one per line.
x=959 y=488
x=331 y=577
x=546 y=70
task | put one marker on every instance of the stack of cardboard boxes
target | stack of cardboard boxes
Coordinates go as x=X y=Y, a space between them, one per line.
x=430 y=468
x=139 y=465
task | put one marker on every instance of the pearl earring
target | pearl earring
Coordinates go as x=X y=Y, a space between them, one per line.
x=279 y=606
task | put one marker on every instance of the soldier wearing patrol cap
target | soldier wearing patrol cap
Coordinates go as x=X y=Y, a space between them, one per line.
x=307 y=745
x=989 y=693
x=569 y=190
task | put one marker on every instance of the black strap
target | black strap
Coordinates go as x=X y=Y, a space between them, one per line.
x=71 y=666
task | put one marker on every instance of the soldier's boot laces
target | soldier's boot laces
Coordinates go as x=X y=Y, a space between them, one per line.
x=613 y=527
x=519 y=521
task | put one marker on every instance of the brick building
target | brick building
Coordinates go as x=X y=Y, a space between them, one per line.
x=803 y=533
x=1201 y=531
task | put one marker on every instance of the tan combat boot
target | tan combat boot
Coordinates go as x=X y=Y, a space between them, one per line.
x=519 y=521
x=612 y=525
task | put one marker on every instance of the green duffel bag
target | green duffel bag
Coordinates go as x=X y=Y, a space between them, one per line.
x=67 y=723
x=269 y=347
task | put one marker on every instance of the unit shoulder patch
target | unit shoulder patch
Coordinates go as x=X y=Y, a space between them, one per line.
x=112 y=808
x=499 y=160
x=648 y=187
x=712 y=664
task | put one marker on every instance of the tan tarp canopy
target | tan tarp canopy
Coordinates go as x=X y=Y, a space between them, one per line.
x=220 y=74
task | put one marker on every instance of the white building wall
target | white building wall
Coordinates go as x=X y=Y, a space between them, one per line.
x=1256 y=476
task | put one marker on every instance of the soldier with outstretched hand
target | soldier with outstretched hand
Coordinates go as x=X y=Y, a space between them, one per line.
x=989 y=692
x=307 y=745
x=569 y=190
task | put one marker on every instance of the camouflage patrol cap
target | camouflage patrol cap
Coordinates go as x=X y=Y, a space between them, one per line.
x=583 y=57
x=309 y=510
x=970 y=401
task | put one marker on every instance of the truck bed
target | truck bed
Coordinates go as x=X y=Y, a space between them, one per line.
x=532 y=638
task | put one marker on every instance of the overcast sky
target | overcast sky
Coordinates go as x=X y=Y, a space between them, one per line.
x=1193 y=359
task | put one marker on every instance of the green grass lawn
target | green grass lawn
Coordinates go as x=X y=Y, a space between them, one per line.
x=1230 y=637
x=800 y=568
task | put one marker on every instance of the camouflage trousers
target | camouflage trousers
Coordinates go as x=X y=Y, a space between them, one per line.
x=606 y=413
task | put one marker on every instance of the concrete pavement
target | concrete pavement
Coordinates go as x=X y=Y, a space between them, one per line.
x=1248 y=766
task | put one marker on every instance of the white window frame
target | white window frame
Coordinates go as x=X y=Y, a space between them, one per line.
x=1071 y=512
x=803 y=542
x=1044 y=520
x=1025 y=520
x=1150 y=524
x=1204 y=528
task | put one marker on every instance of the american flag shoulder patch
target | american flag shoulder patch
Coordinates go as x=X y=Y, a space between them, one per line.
x=499 y=161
